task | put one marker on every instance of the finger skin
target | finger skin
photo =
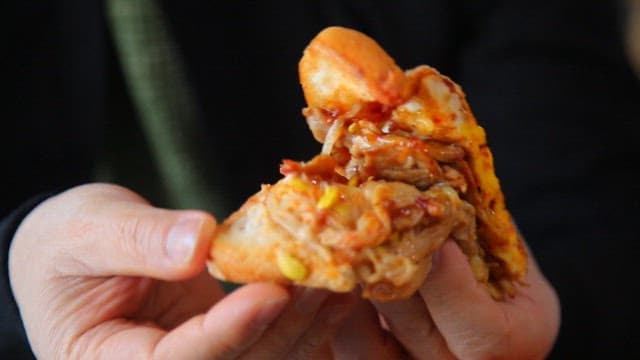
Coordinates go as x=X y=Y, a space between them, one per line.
x=109 y=230
x=222 y=333
x=229 y=328
x=361 y=336
x=324 y=326
x=413 y=327
x=232 y=333
x=453 y=316
x=476 y=326
x=291 y=325
x=85 y=236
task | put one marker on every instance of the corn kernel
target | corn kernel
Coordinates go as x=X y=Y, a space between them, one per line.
x=341 y=211
x=291 y=267
x=353 y=182
x=479 y=268
x=329 y=197
x=298 y=184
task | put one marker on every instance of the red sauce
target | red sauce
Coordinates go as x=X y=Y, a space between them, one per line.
x=430 y=206
x=321 y=167
x=321 y=219
x=450 y=84
x=329 y=114
x=289 y=167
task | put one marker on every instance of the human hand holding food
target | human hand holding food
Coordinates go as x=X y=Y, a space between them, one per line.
x=405 y=175
x=99 y=273
x=453 y=317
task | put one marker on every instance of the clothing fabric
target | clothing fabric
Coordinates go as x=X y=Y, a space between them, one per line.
x=168 y=112
x=549 y=81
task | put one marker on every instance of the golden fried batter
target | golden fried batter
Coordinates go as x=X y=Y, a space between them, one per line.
x=404 y=167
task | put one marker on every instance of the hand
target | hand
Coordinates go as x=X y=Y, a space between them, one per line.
x=452 y=316
x=99 y=273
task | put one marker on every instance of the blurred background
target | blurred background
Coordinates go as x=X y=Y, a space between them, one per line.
x=631 y=18
x=196 y=103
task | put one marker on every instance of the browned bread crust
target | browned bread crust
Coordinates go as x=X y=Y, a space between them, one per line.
x=404 y=167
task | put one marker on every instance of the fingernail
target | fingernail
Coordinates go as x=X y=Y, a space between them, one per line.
x=269 y=312
x=308 y=300
x=182 y=238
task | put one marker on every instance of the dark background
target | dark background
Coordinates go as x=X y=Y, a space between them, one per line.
x=549 y=81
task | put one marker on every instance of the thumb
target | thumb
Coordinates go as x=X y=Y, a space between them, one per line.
x=118 y=233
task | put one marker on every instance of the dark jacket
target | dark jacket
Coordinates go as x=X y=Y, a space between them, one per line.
x=548 y=80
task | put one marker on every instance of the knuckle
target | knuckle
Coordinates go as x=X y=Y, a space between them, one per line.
x=490 y=345
x=138 y=238
x=90 y=199
x=105 y=190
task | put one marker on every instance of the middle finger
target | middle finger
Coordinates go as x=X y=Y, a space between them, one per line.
x=411 y=324
x=280 y=337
